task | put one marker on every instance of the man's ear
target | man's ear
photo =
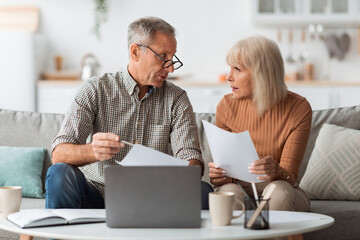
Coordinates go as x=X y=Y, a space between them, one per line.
x=134 y=52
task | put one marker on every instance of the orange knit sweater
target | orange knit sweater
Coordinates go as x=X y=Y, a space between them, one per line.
x=281 y=132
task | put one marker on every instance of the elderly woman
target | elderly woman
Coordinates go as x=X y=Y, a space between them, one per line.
x=278 y=121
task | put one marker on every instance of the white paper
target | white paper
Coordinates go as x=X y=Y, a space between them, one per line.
x=27 y=216
x=233 y=152
x=48 y=217
x=71 y=214
x=140 y=155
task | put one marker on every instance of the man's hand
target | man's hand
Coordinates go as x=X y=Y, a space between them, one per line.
x=105 y=145
x=218 y=175
x=197 y=162
x=264 y=166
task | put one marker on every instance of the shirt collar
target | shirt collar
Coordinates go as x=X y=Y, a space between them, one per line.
x=130 y=83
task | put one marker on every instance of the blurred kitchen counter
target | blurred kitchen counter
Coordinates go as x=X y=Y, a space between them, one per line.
x=187 y=83
x=59 y=83
x=55 y=96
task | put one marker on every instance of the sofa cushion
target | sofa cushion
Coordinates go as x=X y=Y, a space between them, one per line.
x=333 y=171
x=346 y=117
x=30 y=129
x=22 y=166
x=204 y=144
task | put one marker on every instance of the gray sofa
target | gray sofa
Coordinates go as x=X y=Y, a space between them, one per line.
x=38 y=129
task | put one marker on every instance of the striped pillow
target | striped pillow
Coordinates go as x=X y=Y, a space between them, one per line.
x=333 y=171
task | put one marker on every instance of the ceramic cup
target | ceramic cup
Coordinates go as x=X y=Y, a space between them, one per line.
x=221 y=206
x=10 y=199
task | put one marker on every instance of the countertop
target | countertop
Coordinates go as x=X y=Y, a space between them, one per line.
x=187 y=83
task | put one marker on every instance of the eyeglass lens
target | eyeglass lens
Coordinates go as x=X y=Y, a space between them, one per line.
x=168 y=63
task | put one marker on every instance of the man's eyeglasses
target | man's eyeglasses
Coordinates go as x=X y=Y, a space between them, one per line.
x=167 y=63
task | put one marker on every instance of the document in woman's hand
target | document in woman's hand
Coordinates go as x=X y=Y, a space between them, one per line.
x=233 y=152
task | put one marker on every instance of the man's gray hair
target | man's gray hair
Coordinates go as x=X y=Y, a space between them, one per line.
x=142 y=30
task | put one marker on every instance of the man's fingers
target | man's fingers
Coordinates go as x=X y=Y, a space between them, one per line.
x=106 y=143
x=106 y=136
x=107 y=150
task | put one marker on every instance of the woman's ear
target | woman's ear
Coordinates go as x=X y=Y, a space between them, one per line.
x=134 y=52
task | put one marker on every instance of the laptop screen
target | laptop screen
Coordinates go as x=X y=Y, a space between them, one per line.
x=153 y=197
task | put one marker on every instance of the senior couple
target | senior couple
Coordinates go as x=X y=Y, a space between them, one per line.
x=138 y=105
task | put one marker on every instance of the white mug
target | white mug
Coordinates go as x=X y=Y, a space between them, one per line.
x=10 y=199
x=221 y=206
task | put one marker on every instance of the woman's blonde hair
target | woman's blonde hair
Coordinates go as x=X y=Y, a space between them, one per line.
x=262 y=57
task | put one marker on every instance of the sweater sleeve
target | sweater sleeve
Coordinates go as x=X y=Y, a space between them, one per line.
x=222 y=114
x=295 y=145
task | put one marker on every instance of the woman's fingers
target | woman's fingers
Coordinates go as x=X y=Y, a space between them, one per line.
x=220 y=181
x=217 y=170
x=217 y=175
x=264 y=166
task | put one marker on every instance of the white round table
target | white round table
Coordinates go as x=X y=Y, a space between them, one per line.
x=282 y=223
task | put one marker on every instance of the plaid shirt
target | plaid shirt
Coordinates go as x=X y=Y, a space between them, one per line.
x=110 y=103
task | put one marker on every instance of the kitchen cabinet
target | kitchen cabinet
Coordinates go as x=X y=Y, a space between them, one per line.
x=345 y=96
x=328 y=95
x=303 y=12
x=205 y=98
x=56 y=96
x=319 y=97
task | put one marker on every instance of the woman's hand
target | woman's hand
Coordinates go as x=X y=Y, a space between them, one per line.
x=264 y=166
x=218 y=175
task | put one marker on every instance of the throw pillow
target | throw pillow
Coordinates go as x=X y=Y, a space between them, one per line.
x=333 y=171
x=22 y=166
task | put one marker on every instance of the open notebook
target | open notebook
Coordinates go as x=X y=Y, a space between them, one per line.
x=48 y=217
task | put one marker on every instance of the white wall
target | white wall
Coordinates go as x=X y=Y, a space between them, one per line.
x=206 y=29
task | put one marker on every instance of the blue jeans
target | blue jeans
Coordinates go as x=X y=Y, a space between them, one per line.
x=66 y=187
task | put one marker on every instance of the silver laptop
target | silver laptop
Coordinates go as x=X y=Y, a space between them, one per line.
x=153 y=197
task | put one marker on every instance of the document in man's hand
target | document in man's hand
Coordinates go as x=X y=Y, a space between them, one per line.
x=140 y=155
x=233 y=152
x=48 y=217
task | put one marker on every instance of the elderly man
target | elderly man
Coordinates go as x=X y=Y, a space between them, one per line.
x=136 y=104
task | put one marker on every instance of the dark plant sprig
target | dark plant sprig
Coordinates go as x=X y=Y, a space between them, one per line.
x=101 y=11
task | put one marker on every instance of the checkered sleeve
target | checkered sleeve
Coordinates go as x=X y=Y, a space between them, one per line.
x=78 y=122
x=184 y=133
